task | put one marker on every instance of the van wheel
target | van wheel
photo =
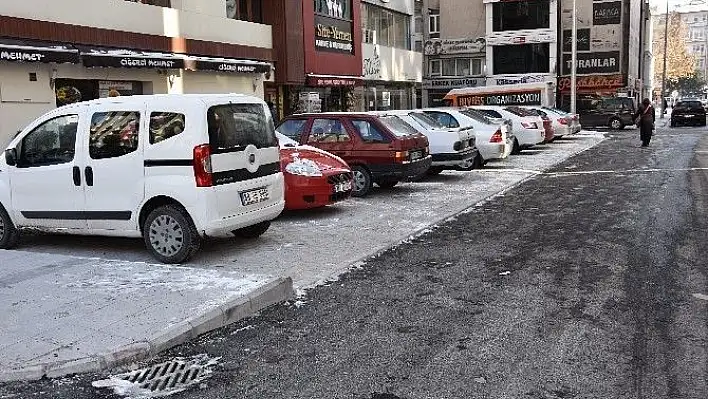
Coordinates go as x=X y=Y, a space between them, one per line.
x=253 y=231
x=9 y=235
x=516 y=148
x=362 y=181
x=170 y=235
x=387 y=183
x=616 y=124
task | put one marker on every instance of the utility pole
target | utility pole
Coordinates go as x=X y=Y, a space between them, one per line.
x=574 y=62
x=663 y=74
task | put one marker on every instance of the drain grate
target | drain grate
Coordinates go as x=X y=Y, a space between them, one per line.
x=161 y=379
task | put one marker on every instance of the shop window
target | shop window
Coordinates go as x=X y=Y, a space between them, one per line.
x=368 y=132
x=245 y=10
x=113 y=134
x=165 y=125
x=293 y=128
x=524 y=58
x=385 y=27
x=334 y=8
x=516 y=15
x=434 y=24
x=435 y=67
x=327 y=131
x=51 y=143
x=161 y=3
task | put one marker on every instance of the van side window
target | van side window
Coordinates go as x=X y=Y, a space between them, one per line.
x=327 y=131
x=165 y=125
x=368 y=132
x=113 y=134
x=292 y=128
x=51 y=143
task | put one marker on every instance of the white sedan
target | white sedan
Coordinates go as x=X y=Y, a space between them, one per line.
x=528 y=130
x=563 y=124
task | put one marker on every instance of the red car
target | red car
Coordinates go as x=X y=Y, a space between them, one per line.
x=313 y=178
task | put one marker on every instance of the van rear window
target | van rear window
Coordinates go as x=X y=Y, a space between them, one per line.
x=688 y=105
x=233 y=127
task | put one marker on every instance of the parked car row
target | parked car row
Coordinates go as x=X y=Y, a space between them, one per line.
x=176 y=169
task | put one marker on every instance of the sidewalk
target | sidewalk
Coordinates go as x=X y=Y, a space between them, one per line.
x=64 y=315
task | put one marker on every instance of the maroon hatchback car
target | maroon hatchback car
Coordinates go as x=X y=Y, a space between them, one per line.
x=379 y=149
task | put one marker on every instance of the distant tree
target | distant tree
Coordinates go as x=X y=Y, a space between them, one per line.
x=680 y=64
x=687 y=85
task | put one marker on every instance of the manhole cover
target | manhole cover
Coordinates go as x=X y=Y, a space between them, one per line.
x=161 y=379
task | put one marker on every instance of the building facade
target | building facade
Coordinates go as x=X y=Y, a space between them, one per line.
x=454 y=47
x=696 y=37
x=612 y=49
x=54 y=53
x=392 y=68
x=521 y=41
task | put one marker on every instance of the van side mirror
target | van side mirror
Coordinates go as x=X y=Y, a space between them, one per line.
x=11 y=156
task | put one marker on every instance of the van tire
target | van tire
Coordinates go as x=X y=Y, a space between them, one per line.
x=365 y=182
x=253 y=231
x=9 y=235
x=170 y=219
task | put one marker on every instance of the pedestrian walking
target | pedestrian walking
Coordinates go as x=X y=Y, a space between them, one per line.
x=645 y=118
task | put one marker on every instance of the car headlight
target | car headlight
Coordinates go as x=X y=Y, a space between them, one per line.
x=303 y=167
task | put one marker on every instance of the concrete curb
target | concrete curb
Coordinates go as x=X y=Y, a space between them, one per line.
x=333 y=276
x=275 y=291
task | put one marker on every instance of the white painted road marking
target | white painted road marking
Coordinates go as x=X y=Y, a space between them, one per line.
x=701 y=297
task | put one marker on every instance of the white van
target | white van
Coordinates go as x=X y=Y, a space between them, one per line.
x=172 y=169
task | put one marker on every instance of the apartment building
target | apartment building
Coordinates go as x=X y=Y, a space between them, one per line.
x=696 y=37
x=454 y=47
x=53 y=53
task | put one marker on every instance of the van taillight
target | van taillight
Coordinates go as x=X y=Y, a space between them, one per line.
x=496 y=137
x=202 y=165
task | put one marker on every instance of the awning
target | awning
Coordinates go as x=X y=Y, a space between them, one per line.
x=123 y=58
x=15 y=50
x=227 y=65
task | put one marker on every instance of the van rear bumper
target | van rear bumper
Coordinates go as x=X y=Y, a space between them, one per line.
x=401 y=171
x=225 y=227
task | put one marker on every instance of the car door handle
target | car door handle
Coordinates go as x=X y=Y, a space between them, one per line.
x=77 y=176
x=89 y=176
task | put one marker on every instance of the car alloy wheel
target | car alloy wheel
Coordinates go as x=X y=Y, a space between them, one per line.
x=166 y=235
x=360 y=181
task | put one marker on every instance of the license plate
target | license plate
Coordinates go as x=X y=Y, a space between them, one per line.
x=416 y=155
x=254 y=196
x=343 y=187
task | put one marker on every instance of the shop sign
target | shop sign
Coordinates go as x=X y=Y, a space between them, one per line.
x=592 y=83
x=432 y=84
x=600 y=62
x=583 y=40
x=234 y=66
x=607 y=13
x=522 y=37
x=333 y=35
x=372 y=65
x=454 y=46
x=316 y=81
x=44 y=55
x=516 y=79
x=130 y=61
x=511 y=98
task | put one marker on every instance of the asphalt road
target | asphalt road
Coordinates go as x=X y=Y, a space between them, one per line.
x=588 y=281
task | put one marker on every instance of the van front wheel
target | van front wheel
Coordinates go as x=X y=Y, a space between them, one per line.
x=170 y=235
x=9 y=235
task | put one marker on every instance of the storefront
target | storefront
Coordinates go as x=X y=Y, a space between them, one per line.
x=437 y=89
x=589 y=87
x=38 y=76
x=391 y=77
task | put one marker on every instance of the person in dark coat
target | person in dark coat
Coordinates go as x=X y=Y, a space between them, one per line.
x=645 y=117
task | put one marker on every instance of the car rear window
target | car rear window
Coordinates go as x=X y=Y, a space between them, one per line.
x=397 y=126
x=426 y=120
x=523 y=111
x=477 y=116
x=489 y=112
x=235 y=126
x=688 y=105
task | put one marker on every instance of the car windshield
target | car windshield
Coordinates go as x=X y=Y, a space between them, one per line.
x=426 y=121
x=235 y=126
x=688 y=105
x=397 y=126
x=478 y=115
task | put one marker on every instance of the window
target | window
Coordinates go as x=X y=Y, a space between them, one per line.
x=434 y=24
x=448 y=67
x=398 y=126
x=165 y=125
x=426 y=120
x=490 y=113
x=524 y=58
x=327 y=131
x=444 y=119
x=369 y=132
x=51 y=143
x=516 y=15
x=385 y=27
x=293 y=128
x=245 y=10
x=232 y=127
x=477 y=66
x=458 y=67
x=435 y=66
x=113 y=134
x=334 y=8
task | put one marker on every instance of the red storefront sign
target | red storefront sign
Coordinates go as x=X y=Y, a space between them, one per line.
x=316 y=81
x=592 y=83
